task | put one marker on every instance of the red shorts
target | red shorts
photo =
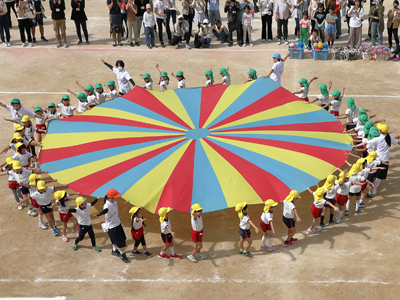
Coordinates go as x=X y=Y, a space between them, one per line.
x=264 y=226
x=197 y=236
x=13 y=184
x=364 y=186
x=137 y=233
x=34 y=203
x=65 y=217
x=40 y=126
x=91 y=106
x=305 y=99
x=316 y=212
x=335 y=113
x=341 y=199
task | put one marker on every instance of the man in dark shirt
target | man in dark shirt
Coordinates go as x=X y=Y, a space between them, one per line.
x=232 y=9
x=141 y=6
x=116 y=21
x=57 y=8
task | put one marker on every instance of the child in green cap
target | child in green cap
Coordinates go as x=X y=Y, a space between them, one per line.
x=147 y=79
x=90 y=96
x=226 y=78
x=324 y=96
x=304 y=88
x=252 y=75
x=101 y=96
x=67 y=110
x=112 y=89
x=336 y=102
x=164 y=79
x=209 y=77
x=40 y=121
x=83 y=103
x=51 y=112
x=181 y=79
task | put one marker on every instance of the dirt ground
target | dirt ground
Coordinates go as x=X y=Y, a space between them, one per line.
x=352 y=260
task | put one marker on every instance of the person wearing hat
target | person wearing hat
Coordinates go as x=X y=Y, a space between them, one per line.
x=205 y=34
x=351 y=114
x=137 y=222
x=52 y=112
x=289 y=212
x=17 y=111
x=113 y=224
x=342 y=193
x=17 y=138
x=336 y=102
x=40 y=120
x=82 y=101
x=167 y=234
x=160 y=7
x=12 y=182
x=197 y=232
x=181 y=79
x=149 y=24
x=252 y=75
x=244 y=228
x=164 y=79
x=331 y=186
x=29 y=132
x=209 y=77
x=23 y=156
x=267 y=225
x=181 y=33
x=84 y=221
x=226 y=77
x=123 y=77
x=90 y=94
x=148 y=81
x=67 y=110
x=62 y=203
x=101 y=96
x=304 y=88
x=278 y=67
x=113 y=93
x=324 y=96
x=373 y=162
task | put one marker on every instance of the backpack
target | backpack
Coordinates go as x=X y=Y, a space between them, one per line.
x=197 y=42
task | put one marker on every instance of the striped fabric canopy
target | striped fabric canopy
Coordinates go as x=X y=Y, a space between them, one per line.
x=216 y=146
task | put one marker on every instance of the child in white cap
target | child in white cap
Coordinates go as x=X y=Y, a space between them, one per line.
x=196 y=232
x=205 y=34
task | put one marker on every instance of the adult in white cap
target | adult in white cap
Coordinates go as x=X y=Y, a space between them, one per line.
x=278 y=67
x=205 y=34
x=181 y=33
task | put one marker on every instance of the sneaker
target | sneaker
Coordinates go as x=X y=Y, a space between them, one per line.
x=363 y=205
x=287 y=244
x=191 y=257
x=331 y=223
x=248 y=254
x=176 y=256
x=44 y=39
x=321 y=225
x=148 y=254
x=357 y=212
x=241 y=251
x=132 y=44
x=30 y=45
x=119 y=44
x=4 y=44
x=97 y=249
x=137 y=44
x=54 y=232
x=269 y=40
x=23 y=44
x=230 y=44
x=116 y=253
x=64 y=238
x=59 y=45
x=148 y=46
x=34 y=213
x=279 y=42
x=209 y=46
x=79 y=42
x=296 y=38
x=136 y=252
x=270 y=249
x=337 y=220
x=292 y=240
x=42 y=226
x=75 y=232
x=244 y=45
x=367 y=39
x=201 y=255
x=21 y=208
x=263 y=248
x=127 y=40
x=188 y=47
x=163 y=256
x=263 y=40
x=87 y=43
x=317 y=229
x=34 y=40
x=74 y=246
x=8 y=44
x=370 y=195
x=308 y=48
x=124 y=258
x=162 y=45
x=65 y=45
x=114 y=45
x=56 y=229
x=286 y=42
x=177 y=46
x=310 y=231
x=251 y=45
x=346 y=213
x=154 y=46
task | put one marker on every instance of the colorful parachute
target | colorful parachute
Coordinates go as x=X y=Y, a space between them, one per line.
x=216 y=146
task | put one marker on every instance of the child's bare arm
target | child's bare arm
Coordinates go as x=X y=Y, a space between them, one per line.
x=309 y=190
x=254 y=226
x=298 y=92
x=10 y=120
x=82 y=88
x=169 y=230
x=173 y=75
x=286 y=56
x=332 y=206
x=312 y=79
x=329 y=85
x=272 y=227
x=297 y=215
x=159 y=72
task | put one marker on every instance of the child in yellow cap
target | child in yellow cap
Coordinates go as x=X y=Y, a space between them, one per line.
x=23 y=156
x=289 y=212
x=13 y=185
x=137 y=223
x=167 y=234
x=267 y=225
x=373 y=162
x=331 y=186
x=62 y=203
x=304 y=88
x=244 y=228
x=197 y=232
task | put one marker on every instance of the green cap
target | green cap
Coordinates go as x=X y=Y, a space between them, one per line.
x=363 y=119
x=368 y=125
x=51 y=104
x=82 y=97
x=37 y=108
x=362 y=111
x=147 y=76
x=337 y=94
x=98 y=86
x=89 y=88
x=65 y=97
x=111 y=82
x=324 y=89
x=210 y=74
x=15 y=101
x=351 y=104
x=304 y=82
x=179 y=73
x=373 y=133
x=253 y=73
x=222 y=70
x=164 y=74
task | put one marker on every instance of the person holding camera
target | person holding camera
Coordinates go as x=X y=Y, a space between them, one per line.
x=232 y=8
x=200 y=7
x=57 y=8
x=181 y=33
x=205 y=34
x=393 y=24
x=220 y=32
x=159 y=9
x=116 y=21
x=188 y=13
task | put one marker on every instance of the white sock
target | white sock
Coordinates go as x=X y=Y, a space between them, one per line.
x=377 y=183
x=339 y=214
x=172 y=250
x=270 y=242
x=357 y=205
x=263 y=240
x=30 y=206
x=374 y=191
x=40 y=219
x=348 y=205
x=114 y=247
x=244 y=251
x=122 y=252
x=162 y=252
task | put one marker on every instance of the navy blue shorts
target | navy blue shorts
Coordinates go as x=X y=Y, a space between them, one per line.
x=166 y=238
x=332 y=201
x=245 y=233
x=290 y=223
x=83 y=229
x=355 y=194
x=46 y=208
x=382 y=174
x=24 y=190
x=371 y=177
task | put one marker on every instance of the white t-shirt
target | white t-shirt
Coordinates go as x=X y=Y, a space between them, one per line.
x=66 y=110
x=266 y=217
x=209 y=82
x=83 y=215
x=17 y=115
x=278 y=68
x=32 y=189
x=304 y=93
x=227 y=80
x=375 y=163
x=40 y=121
x=288 y=209
x=23 y=158
x=197 y=225
x=23 y=177
x=90 y=100
x=344 y=189
x=324 y=99
x=355 y=188
x=244 y=222
x=43 y=198
x=113 y=93
x=149 y=85
x=181 y=84
x=351 y=114
x=111 y=217
x=82 y=106
x=63 y=209
x=137 y=224
x=160 y=5
x=164 y=225
x=331 y=193
x=335 y=105
x=10 y=174
x=363 y=175
x=123 y=78
x=163 y=83
x=29 y=132
x=101 y=97
x=56 y=114
x=319 y=204
x=382 y=148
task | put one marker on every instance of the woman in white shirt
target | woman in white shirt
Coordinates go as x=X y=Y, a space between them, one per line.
x=267 y=11
x=24 y=23
x=355 y=13
x=123 y=77
x=199 y=12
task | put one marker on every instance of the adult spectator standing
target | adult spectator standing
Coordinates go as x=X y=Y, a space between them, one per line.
x=188 y=13
x=159 y=9
x=372 y=3
x=393 y=24
x=232 y=8
x=38 y=20
x=57 y=8
x=213 y=11
x=267 y=11
x=181 y=33
x=4 y=24
x=10 y=6
x=282 y=8
x=24 y=22
x=116 y=21
x=131 y=10
x=356 y=14
x=377 y=23
x=141 y=9
x=79 y=16
x=170 y=11
x=243 y=4
x=123 y=76
x=200 y=7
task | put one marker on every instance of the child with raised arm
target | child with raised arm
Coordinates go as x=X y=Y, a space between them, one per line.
x=164 y=79
x=324 y=96
x=181 y=79
x=278 y=67
x=244 y=228
x=304 y=88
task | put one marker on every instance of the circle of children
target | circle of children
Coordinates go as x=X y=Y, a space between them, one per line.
x=313 y=19
x=372 y=140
